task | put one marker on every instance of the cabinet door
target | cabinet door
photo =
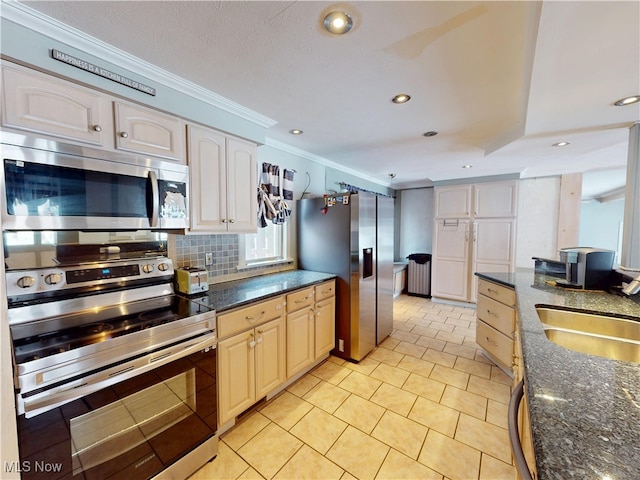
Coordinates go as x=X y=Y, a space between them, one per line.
x=208 y=172
x=141 y=130
x=451 y=259
x=325 y=327
x=300 y=345
x=270 y=356
x=493 y=248
x=496 y=199
x=236 y=375
x=54 y=107
x=242 y=198
x=453 y=202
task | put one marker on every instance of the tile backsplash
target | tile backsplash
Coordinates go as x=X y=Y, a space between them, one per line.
x=190 y=250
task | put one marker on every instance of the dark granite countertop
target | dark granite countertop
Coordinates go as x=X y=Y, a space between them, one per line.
x=585 y=410
x=237 y=293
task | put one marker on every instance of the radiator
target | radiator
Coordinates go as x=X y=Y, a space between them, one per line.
x=419 y=278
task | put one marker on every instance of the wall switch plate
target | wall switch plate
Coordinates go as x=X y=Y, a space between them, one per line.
x=341 y=345
x=208 y=258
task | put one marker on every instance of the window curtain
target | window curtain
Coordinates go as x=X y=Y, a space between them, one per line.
x=274 y=203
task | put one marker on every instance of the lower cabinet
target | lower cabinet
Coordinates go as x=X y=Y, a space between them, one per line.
x=496 y=322
x=250 y=364
x=263 y=345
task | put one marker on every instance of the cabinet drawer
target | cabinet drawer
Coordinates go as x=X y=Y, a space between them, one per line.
x=249 y=317
x=500 y=293
x=495 y=343
x=498 y=315
x=325 y=290
x=300 y=299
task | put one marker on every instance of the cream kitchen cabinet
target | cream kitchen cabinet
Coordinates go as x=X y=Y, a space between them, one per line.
x=251 y=363
x=491 y=199
x=496 y=323
x=38 y=103
x=474 y=231
x=300 y=330
x=146 y=131
x=325 y=319
x=311 y=326
x=223 y=182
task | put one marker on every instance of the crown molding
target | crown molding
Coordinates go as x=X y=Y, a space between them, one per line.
x=321 y=160
x=32 y=19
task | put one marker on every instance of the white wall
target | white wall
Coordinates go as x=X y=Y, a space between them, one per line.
x=537 y=225
x=600 y=225
x=416 y=221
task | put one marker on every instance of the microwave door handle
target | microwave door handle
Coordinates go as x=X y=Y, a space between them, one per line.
x=155 y=199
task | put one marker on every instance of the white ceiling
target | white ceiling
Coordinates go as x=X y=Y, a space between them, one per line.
x=499 y=81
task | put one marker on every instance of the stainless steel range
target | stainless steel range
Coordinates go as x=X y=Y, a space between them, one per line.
x=115 y=376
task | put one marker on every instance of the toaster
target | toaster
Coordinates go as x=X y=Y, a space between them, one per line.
x=191 y=280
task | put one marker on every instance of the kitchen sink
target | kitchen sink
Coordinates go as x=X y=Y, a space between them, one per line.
x=591 y=333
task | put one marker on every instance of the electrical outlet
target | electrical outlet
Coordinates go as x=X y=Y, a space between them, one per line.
x=341 y=345
x=208 y=258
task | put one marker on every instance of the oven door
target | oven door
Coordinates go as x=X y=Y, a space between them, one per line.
x=54 y=191
x=135 y=428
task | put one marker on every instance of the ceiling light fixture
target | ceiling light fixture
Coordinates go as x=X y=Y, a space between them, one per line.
x=338 y=23
x=561 y=144
x=392 y=175
x=467 y=166
x=401 y=98
x=295 y=131
x=627 y=101
x=430 y=133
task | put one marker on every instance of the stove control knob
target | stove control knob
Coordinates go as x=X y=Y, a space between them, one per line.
x=163 y=267
x=148 y=268
x=53 y=279
x=26 y=282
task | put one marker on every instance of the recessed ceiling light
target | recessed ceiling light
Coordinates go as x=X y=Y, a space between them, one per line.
x=467 y=166
x=430 y=133
x=561 y=144
x=401 y=98
x=295 y=131
x=627 y=101
x=338 y=23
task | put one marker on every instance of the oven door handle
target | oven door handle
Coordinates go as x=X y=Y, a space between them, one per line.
x=52 y=398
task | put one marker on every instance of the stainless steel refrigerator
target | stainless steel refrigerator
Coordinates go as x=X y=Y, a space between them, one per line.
x=351 y=235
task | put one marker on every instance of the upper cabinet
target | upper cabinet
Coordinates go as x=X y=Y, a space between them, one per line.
x=453 y=202
x=146 y=131
x=497 y=199
x=42 y=104
x=488 y=200
x=223 y=182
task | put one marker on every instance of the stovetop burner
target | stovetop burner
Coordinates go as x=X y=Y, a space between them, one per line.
x=51 y=343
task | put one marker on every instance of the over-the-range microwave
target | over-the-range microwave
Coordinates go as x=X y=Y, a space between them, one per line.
x=48 y=185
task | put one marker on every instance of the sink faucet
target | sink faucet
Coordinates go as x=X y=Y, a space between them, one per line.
x=632 y=287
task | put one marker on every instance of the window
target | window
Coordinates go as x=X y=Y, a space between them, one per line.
x=268 y=245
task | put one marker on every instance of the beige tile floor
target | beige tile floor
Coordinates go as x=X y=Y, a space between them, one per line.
x=425 y=404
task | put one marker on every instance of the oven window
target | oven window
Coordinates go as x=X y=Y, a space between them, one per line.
x=47 y=190
x=133 y=429
x=100 y=436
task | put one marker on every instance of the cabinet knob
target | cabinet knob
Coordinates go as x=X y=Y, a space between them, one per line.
x=124 y=134
x=224 y=220
x=97 y=128
x=232 y=221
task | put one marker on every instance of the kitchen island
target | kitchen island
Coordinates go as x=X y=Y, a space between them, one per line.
x=584 y=409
